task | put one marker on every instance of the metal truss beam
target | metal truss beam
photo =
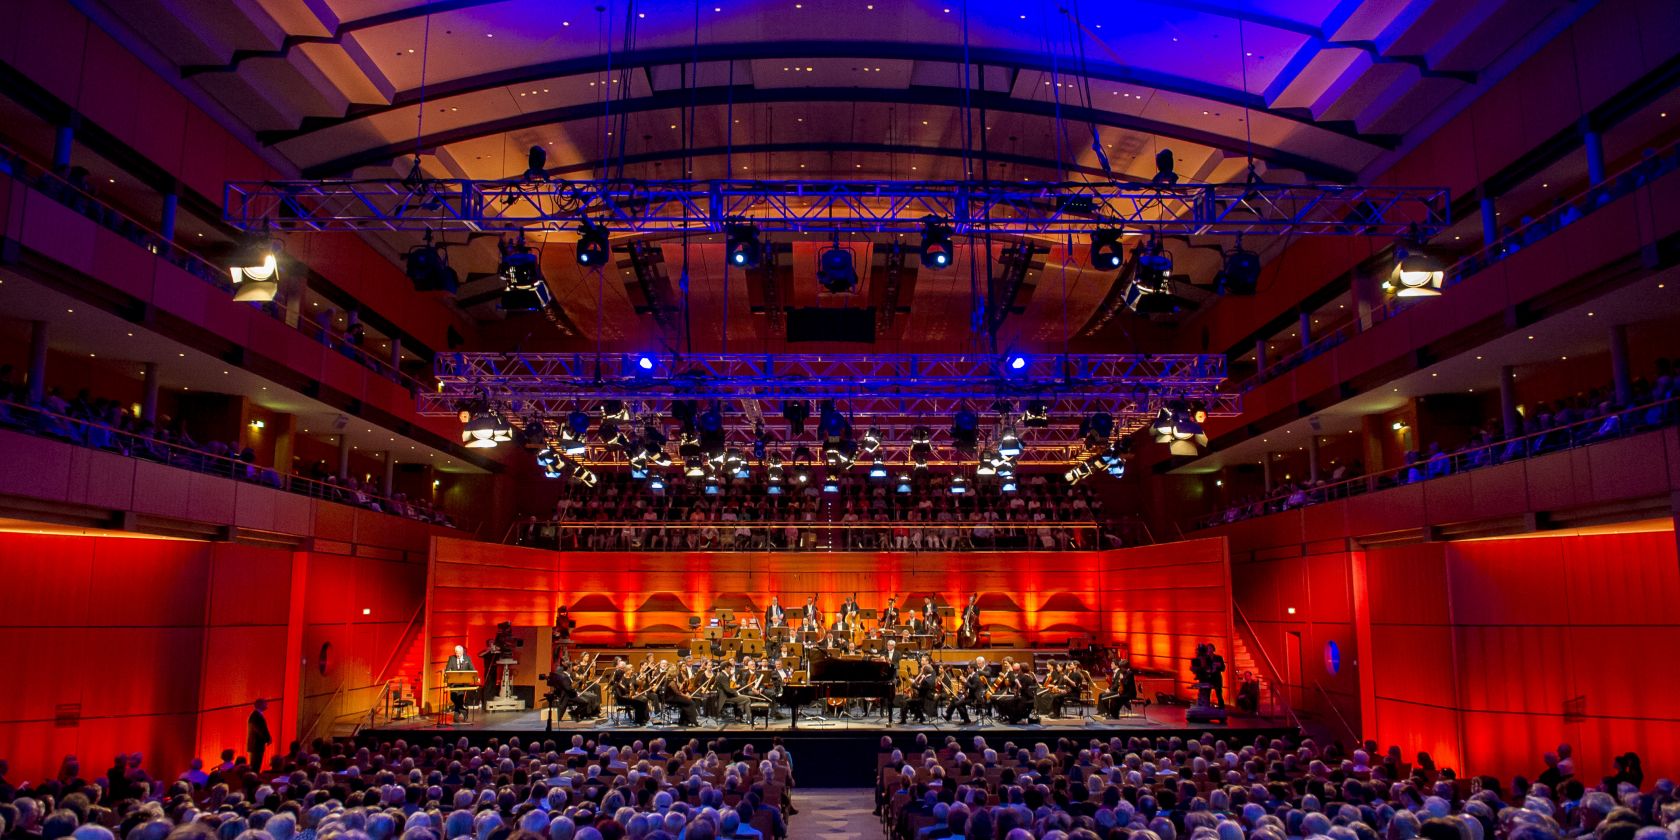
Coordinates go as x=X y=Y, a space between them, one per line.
x=635 y=206
x=890 y=393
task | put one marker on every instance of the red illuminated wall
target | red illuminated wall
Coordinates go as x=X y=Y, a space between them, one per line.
x=160 y=646
x=1478 y=648
x=1160 y=600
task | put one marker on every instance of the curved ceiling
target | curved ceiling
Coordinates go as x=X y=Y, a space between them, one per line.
x=921 y=89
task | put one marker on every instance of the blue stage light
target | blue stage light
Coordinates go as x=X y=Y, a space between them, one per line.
x=1017 y=362
x=644 y=362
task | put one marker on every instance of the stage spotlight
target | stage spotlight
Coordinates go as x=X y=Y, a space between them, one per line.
x=773 y=470
x=592 y=244
x=1417 y=273
x=694 y=466
x=572 y=444
x=1008 y=486
x=614 y=410
x=959 y=486
x=988 y=463
x=1107 y=252
x=835 y=270
x=796 y=412
x=965 y=428
x=1015 y=363
x=638 y=472
x=773 y=490
x=801 y=476
x=871 y=440
x=644 y=362
x=1096 y=429
x=710 y=486
x=1009 y=445
x=1037 y=415
x=578 y=423
x=523 y=289
x=480 y=431
x=831 y=484
x=919 y=455
x=802 y=455
x=742 y=245
x=1077 y=473
x=1164 y=173
x=535 y=160
x=256 y=270
x=878 y=469
x=656 y=483
x=1150 y=292
x=903 y=483
x=1241 y=273
x=427 y=267
x=921 y=435
x=937 y=251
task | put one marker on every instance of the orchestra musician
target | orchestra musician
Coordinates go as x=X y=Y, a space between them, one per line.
x=930 y=613
x=562 y=694
x=889 y=616
x=849 y=606
x=1017 y=705
x=625 y=690
x=459 y=661
x=921 y=694
x=774 y=615
x=811 y=611
x=729 y=680
x=1122 y=689
x=968 y=632
x=973 y=686
x=672 y=694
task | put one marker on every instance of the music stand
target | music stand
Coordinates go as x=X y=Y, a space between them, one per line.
x=866 y=615
x=753 y=647
x=751 y=632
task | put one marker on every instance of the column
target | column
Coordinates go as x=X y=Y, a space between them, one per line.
x=1508 y=402
x=149 y=396
x=396 y=353
x=1260 y=355
x=1593 y=142
x=37 y=361
x=1490 y=220
x=1266 y=471
x=390 y=474
x=63 y=142
x=166 y=223
x=343 y=457
x=1619 y=370
x=1312 y=458
x=1306 y=329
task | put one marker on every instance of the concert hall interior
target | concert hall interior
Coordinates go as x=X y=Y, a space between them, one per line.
x=1217 y=414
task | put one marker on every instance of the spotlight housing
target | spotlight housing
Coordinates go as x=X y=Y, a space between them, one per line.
x=937 y=249
x=591 y=245
x=959 y=486
x=835 y=270
x=742 y=246
x=523 y=288
x=256 y=271
x=878 y=469
x=1107 y=252
x=1241 y=274
x=1037 y=415
x=427 y=267
x=1417 y=273
x=1009 y=444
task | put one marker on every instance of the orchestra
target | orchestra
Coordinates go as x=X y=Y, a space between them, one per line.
x=730 y=683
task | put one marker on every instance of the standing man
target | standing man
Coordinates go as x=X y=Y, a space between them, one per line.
x=774 y=615
x=1216 y=673
x=257 y=737
x=458 y=662
x=969 y=630
x=889 y=616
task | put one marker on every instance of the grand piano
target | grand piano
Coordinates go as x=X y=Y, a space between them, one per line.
x=836 y=676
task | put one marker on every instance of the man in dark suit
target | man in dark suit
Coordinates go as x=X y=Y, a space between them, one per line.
x=889 y=616
x=257 y=737
x=774 y=615
x=459 y=661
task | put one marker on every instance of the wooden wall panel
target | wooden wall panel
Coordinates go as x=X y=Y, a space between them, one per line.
x=1161 y=600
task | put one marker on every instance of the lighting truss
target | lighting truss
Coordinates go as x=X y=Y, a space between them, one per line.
x=894 y=393
x=633 y=206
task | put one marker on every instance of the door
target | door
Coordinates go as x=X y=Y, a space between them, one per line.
x=1293 y=680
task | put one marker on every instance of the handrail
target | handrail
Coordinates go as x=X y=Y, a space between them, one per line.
x=1275 y=676
x=1544 y=442
x=60 y=189
x=1561 y=215
x=94 y=435
x=303 y=737
x=403 y=641
x=643 y=535
x=1353 y=737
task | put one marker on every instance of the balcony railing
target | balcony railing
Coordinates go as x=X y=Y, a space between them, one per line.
x=1609 y=426
x=39 y=421
x=1567 y=212
x=800 y=535
x=85 y=203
